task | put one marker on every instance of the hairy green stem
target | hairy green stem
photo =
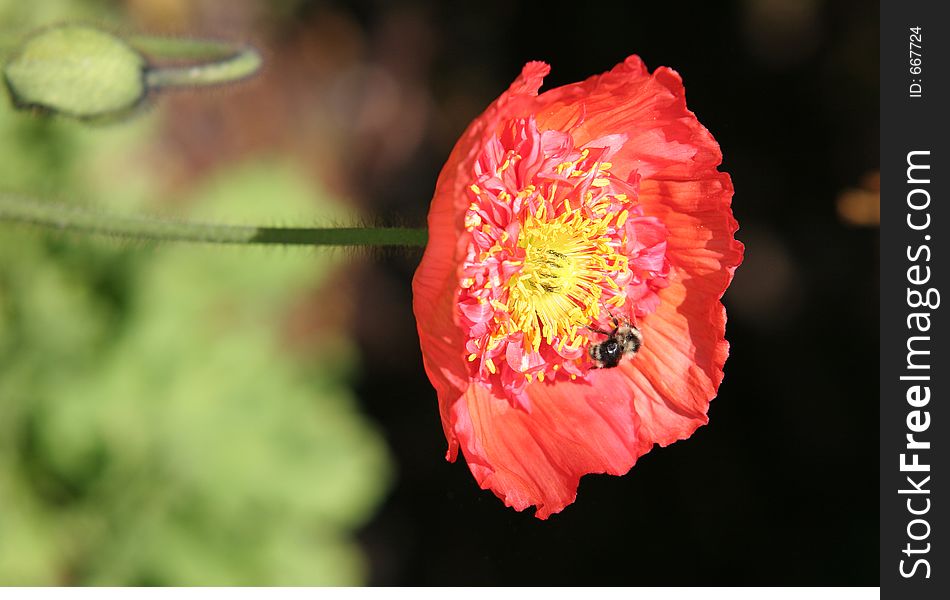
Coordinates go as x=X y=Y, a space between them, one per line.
x=18 y=209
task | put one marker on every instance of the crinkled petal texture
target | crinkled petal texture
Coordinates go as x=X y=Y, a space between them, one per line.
x=534 y=453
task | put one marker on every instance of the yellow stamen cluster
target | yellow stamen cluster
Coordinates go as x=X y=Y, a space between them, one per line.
x=557 y=276
x=558 y=289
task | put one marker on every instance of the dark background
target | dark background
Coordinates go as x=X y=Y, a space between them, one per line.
x=781 y=487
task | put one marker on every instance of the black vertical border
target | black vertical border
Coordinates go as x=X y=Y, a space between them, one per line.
x=909 y=124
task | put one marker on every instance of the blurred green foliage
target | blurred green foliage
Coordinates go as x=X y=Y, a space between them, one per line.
x=156 y=427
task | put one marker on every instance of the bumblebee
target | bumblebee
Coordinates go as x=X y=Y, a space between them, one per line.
x=624 y=340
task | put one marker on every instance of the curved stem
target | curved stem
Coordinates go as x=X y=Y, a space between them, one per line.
x=49 y=215
x=219 y=62
x=241 y=64
x=177 y=48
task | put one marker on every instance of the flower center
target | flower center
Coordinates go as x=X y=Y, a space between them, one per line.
x=558 y=289
x=556 y=246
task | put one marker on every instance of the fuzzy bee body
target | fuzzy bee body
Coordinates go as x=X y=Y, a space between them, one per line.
x=624 y=340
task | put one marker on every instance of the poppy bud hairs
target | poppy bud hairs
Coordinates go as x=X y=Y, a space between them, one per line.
x=559 y=220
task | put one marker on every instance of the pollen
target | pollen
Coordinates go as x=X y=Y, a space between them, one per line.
x=567 y=259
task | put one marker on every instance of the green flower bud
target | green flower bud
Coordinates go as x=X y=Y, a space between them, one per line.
x=78 y=71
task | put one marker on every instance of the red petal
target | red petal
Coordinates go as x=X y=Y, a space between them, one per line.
x=679 y=368
x=664 y=138
x=435 y=283
x=537 y=458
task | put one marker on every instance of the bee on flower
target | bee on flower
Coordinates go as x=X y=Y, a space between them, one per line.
x=568 y=302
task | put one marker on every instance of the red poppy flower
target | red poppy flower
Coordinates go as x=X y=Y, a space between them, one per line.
x=557 y=217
